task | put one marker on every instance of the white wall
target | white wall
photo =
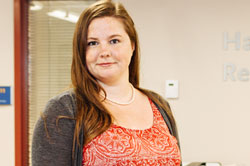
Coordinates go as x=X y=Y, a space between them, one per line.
x=7 y=155
x=183 y=40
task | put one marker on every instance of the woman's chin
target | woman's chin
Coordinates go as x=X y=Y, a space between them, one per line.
x=108 y=78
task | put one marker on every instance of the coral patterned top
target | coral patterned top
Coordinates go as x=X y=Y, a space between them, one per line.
x=121 y=146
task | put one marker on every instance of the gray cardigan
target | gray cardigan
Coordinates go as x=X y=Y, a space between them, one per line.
x=54 y=146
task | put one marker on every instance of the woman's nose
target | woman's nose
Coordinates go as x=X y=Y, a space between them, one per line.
x=105 y=50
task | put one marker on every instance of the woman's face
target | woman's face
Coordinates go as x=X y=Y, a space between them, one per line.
x=109 y=50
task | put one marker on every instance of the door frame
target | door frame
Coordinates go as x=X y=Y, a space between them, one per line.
x=21 y=82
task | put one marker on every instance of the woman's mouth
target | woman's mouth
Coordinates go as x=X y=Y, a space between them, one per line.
x=106 y=64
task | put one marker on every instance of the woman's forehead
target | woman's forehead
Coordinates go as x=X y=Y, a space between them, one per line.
x=106 y=26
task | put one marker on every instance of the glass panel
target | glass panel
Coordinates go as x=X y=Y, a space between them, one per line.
x=51 y=27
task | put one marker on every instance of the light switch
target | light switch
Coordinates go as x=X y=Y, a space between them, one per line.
x=172 y=89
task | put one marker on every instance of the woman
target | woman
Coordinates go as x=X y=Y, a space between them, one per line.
x=106 y=119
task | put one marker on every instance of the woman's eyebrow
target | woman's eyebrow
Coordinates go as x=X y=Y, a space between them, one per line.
x=115 y=35
x=112 y=36
x=92 y=38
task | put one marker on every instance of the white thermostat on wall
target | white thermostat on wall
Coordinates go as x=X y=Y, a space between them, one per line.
x=172 y=89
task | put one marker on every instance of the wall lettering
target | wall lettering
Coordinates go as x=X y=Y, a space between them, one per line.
x=2 y=90
x=230 y=71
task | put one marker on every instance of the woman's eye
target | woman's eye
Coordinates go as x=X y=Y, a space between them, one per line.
x=114 y=41
x=92 y=43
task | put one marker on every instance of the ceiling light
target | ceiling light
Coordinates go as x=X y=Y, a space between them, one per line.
x=36 y=6
x=67 y=16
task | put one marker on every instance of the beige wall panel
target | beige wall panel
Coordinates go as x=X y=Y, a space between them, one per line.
x=7 y=155
x=183 y=40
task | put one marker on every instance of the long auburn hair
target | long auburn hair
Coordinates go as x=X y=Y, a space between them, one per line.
x=92 y=117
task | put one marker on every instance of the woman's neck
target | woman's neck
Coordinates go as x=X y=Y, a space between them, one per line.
x=121 y=91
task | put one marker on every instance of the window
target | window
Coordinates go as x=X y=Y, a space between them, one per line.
x=50 y=33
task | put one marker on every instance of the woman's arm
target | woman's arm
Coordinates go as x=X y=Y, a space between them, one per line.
x=52 y=142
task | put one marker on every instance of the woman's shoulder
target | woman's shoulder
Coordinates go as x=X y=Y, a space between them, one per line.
x=59 y=112
x=154 y=96
x=61 y=104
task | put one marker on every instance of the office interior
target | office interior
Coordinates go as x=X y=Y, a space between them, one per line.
x=203 y=47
